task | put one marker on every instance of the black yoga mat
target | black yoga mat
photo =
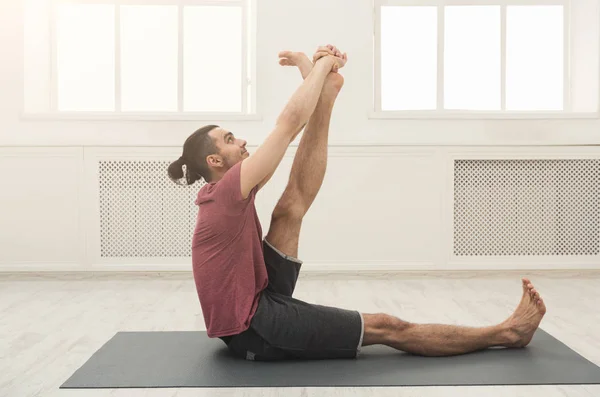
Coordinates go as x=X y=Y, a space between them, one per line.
x=191 y=359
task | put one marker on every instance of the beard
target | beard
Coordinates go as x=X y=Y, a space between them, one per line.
x=230 y=161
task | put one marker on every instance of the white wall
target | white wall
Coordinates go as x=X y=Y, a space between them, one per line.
x=387 y=199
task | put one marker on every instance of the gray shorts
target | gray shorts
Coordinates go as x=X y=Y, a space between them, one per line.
x=286 y=328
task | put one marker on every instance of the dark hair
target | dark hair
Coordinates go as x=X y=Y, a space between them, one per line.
x=196 y=148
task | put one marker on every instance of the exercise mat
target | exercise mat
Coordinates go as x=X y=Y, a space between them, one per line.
x=191 y=359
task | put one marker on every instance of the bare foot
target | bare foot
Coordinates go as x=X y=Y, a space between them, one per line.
x=527 y=317
x=334 y=81
x=298 y=59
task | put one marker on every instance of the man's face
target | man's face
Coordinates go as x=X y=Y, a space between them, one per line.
x=231 y=149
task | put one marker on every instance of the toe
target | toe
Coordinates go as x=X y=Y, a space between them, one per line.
x=542 y=306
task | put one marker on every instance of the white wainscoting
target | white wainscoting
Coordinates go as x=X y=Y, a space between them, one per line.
x=526 y=198
x=381 y=208
x=41 y=207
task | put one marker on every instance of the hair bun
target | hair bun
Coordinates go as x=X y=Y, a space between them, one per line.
x=175 y=169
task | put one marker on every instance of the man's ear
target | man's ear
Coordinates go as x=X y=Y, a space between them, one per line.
x=214 y=160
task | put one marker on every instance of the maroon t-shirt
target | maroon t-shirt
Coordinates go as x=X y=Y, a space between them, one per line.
x=227 y=255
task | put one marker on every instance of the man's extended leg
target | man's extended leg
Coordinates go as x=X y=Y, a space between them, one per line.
x=444 y=340
x=308 y=168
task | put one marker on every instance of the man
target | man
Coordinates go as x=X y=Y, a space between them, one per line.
x=245 y=284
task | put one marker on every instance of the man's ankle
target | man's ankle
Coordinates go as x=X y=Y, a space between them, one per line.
x=507 y=336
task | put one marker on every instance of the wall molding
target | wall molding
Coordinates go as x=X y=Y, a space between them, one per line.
x=316 y=268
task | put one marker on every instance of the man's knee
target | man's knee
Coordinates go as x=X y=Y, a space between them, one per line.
x=384 y=321
x=289 y=209
x=381 y=328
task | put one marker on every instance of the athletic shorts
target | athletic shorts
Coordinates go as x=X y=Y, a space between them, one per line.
x=285 y=328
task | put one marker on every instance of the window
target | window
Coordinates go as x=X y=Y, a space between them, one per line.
x=491 y=58
x=156 y=58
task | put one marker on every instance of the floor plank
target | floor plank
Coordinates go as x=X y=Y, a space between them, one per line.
x=50 y=325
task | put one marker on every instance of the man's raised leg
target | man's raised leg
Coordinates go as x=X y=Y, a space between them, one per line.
x=445 y=340
x=308 y=168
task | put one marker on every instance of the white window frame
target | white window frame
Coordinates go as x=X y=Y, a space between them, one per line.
x=249 y=108
x=440 y=113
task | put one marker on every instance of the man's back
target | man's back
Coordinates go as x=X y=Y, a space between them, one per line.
x=227 y=255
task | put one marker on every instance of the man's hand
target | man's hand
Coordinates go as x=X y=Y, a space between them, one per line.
x=331 y=51
x=334 y=81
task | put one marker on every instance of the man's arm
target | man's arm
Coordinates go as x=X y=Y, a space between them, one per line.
x=331 y=88
x=291 y=120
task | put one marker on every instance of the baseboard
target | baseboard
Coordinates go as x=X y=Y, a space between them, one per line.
x=327 y=267
x=374 y=268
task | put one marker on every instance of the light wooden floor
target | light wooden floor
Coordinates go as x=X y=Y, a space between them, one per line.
x=50 y=325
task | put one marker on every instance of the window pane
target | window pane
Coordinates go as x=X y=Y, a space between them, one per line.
x=472 y=62
x=149 y=64
x=85 y=40
x=408 y=58
x=36 y=63
x=534 y=58
x=212 y=60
